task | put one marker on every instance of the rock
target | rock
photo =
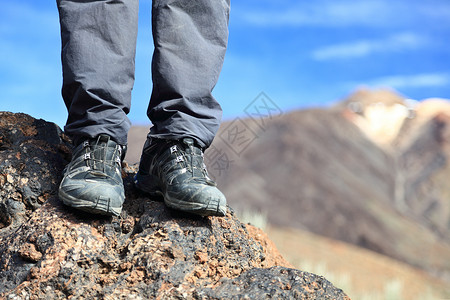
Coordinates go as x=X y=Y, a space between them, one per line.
x=275 y=283
x=51 y=251
x=33 y=154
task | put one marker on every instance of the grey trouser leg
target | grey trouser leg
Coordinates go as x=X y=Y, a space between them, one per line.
x=98 y=50
x=190 y=38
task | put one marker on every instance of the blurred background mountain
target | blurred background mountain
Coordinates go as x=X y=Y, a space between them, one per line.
x=372 y=171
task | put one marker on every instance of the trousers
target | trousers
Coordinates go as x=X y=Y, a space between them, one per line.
x=98 y=40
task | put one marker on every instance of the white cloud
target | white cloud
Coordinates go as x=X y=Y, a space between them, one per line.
x=361 y=48
x=414 y=81
x=318 y=13
x=331 y=13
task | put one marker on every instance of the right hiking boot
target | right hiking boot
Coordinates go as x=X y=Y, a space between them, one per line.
x=92 y=181
x=175 y=170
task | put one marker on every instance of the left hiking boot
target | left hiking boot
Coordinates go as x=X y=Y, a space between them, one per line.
x=92 y=181
x=175 y=170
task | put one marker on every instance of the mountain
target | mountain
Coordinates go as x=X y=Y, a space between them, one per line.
x=417 y=137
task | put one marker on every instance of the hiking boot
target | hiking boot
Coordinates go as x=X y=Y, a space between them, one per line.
x=92 y=181
x=175 y=170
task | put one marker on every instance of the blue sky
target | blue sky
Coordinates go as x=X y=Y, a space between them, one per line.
x=299 y=53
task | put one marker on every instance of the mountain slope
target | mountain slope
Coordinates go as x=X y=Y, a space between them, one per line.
x=363 y=274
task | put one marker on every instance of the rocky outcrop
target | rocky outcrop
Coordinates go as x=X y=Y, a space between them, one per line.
x=50 y=251
x=33 y=154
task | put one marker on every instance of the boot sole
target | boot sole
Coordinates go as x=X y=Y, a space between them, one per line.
x=101 y=206
x=152 y=185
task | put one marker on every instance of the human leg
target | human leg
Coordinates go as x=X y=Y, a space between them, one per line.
x=98 y=50
x=190 y=42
